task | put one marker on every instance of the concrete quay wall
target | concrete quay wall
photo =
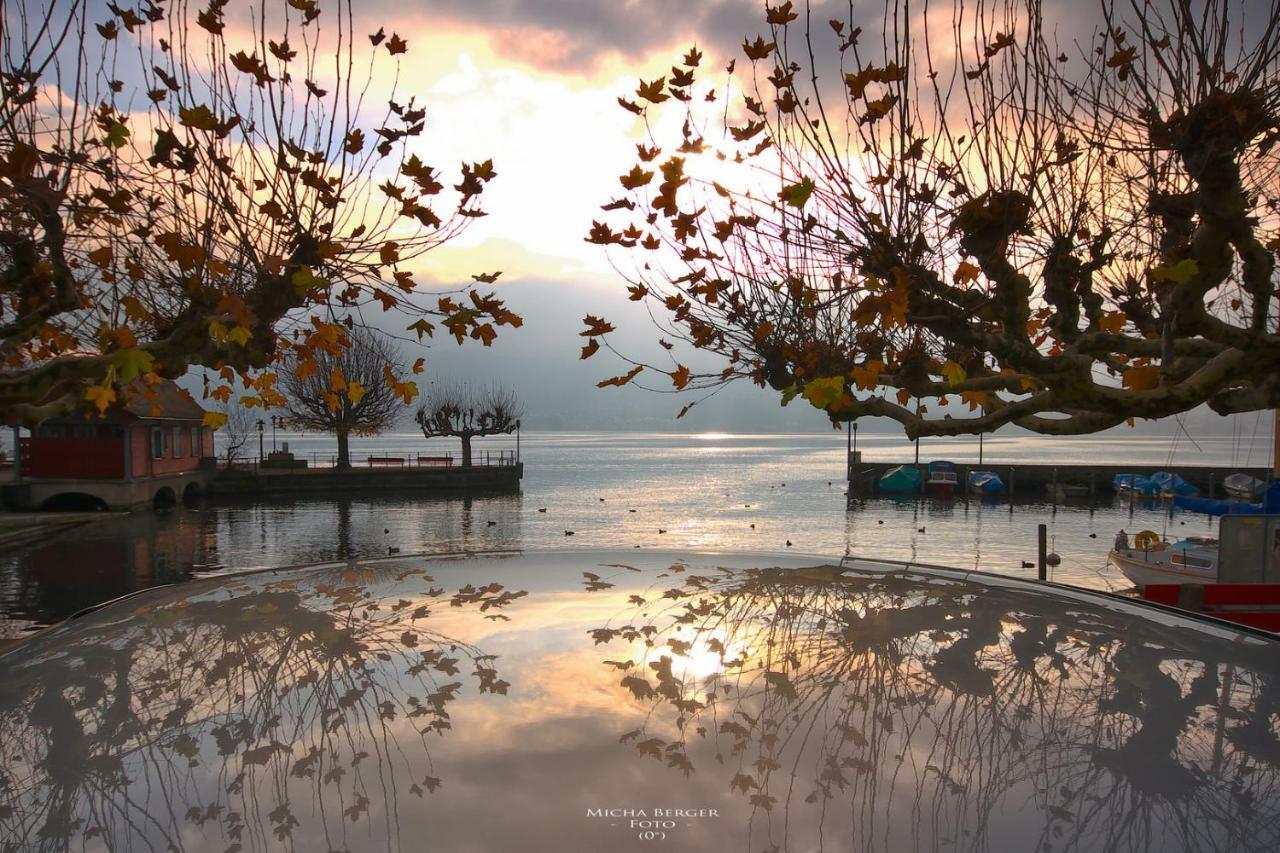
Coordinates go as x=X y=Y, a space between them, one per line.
x=482 y=479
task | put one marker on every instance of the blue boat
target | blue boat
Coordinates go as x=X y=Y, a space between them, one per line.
x=902 y=480
x=985 y=483
x=1168 y=483
x=1270 y=504
x=1133 y=484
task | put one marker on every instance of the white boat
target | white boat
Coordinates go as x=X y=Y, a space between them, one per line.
x=1243 y=486
x=1193 y=560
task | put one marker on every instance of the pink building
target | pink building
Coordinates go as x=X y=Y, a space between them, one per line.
x=147 y=450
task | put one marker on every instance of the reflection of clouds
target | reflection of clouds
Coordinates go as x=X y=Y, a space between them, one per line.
x=875 y=712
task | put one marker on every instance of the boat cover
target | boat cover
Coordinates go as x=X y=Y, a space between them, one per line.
x=1270 y=504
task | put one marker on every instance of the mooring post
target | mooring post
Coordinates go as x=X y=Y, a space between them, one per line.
x=1043 y=551
x=1092 y=479
x=1211 y=479
x=1055 y=487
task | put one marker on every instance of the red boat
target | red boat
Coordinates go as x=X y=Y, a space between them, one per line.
x=943 y=479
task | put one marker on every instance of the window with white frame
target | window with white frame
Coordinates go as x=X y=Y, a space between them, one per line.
x=177 y=442
x=157 y=443
x=196 y=449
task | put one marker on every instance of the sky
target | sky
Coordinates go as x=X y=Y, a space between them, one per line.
x=533 y=85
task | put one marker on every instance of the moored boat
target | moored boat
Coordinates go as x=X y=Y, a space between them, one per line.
x=1133 y=484
x=1062 y=491
x=943 y=479
x=1169 y=484
x=902 y=480
x=1150 y=560
x=985 y=483
x=1243 y=486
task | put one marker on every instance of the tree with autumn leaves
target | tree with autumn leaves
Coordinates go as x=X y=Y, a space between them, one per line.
x=216 y=186
x=347 y=388
x=1058 y=223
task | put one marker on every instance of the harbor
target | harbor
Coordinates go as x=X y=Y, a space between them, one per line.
x=1031 y=479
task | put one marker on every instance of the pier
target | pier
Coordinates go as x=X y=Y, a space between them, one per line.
x=1026 y=480
x=426 y=481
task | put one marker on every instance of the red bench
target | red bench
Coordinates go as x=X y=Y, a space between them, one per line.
x=446 y=461
x=1253 y=604
x=386 y=461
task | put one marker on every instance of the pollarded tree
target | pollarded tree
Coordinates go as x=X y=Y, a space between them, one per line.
x=453 y=410
x=348 y=387
x=1059 y=222
x=184 y=185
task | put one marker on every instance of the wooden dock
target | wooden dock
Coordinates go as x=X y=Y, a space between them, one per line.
x=1028 y=480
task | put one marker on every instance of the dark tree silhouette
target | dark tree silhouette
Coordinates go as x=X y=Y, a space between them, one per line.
x=1058 y=217
x=270 y=699
x=181 y=183
x=452 y=410
x=346 y=387
x=827 y=694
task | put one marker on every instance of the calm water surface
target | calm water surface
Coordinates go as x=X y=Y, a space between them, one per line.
x=627 y=700
x=610 y=490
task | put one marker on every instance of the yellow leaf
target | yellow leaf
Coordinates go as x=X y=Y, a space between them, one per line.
x=953 y=373
x=355 y=392
x=241 y=335
x=101 y=396
x=337 y=380
x=214 y=420
x=1179 y=273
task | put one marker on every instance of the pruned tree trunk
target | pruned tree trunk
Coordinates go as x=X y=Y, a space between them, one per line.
x=466 y=450
x=344 y=449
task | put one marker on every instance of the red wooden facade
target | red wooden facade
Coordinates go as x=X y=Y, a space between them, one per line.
x=158 y=435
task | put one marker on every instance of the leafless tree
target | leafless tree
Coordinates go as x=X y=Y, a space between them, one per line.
x=236 y=432
x=344 y=389
x=452 y=410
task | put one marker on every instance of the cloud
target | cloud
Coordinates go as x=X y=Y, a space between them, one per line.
x=573 y=36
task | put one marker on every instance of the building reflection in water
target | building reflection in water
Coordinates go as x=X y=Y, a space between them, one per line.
x=411 y=705
x=48 y=581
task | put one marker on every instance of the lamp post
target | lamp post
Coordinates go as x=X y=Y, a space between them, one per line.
x=261 y=426
x=517 y=441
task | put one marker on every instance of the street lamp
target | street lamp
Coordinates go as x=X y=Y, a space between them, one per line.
x=261 y=426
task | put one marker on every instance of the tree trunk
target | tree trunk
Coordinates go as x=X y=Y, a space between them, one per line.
x=344 y=449
x=466 y=449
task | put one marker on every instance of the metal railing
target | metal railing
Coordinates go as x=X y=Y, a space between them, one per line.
x=390 y=458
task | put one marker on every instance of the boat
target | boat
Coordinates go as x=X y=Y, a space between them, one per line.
x=1133 y=484
x=985 y=483
x=902 y=480
x=1062 y=491
x=1244 y=486
x=943 y=479
x=1268 y=505
x=1169 y=484
x=1148 y=559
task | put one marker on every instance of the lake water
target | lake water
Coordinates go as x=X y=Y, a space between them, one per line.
x=761 y=493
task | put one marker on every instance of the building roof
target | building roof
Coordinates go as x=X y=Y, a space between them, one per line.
x=165 y=400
